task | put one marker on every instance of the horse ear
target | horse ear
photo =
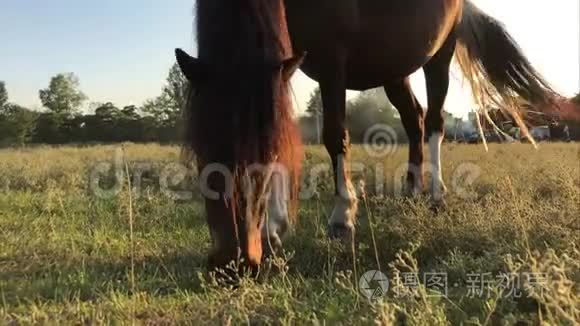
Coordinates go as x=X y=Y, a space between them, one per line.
x=191 y=67
x=289 y=66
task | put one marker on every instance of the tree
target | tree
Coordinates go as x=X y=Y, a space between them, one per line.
x=176 y=89
x=130 y=112
x=155 y=108
x=108 y=112
x=314 y=106
x=167 y=107
x=314 y=112
x=371 y=108
x=48 y=129
x=63 y=96
x=3 y=95
x=16 y=124
x=130 y=125
x=105 y=124
x=576 y=99
x=308 y=130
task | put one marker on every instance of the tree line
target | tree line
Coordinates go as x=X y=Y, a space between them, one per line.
x=372 y=107
x=62 y=122
x=366 y=110
x=159 y=119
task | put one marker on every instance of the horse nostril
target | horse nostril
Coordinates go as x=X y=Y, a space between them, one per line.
x=229 y=265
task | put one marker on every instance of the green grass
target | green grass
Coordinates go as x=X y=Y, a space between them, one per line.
x=66 y=256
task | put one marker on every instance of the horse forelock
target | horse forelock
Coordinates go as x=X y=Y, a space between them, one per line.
x=245 y=116
x=232 y=32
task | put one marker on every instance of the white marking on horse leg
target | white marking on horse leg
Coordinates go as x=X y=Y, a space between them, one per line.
x=277 y=219
x=344 y=212
x=346 y=203
x=438 y=188
x=417 y=189
x=415 y=185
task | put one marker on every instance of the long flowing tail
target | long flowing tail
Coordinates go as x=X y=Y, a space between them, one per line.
x=500 y=75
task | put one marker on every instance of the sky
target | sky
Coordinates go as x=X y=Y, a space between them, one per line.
x=122 y=49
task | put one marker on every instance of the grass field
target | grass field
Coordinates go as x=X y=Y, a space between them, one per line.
x=69 y=255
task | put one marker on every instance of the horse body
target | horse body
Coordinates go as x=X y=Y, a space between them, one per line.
x=240 y=113
x=362 y=44
x=374 y=34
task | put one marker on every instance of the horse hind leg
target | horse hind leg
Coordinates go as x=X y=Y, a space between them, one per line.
x=437 y=80
x=412 y=116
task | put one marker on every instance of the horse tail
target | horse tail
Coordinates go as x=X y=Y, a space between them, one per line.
x=499 y=73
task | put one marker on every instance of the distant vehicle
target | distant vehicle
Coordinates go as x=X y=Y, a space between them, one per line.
x=560 y=132
x=548 y=128
x=541 y=133
x=490 y=137
x=553 y=132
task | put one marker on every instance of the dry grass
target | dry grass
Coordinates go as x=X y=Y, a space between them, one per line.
x=66 y=255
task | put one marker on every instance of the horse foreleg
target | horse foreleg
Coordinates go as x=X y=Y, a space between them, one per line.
x=437 y=79
x=277 y=218
x=401 y=96
x=341 y=223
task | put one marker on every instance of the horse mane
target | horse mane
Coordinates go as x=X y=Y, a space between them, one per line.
x=246 y=117
x=244 y=27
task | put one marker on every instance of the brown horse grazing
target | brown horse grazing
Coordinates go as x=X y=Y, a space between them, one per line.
x=240 y=123
x=362 y=44
x=240 y=115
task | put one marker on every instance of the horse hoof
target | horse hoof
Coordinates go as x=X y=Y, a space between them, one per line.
x=438 y=206
x=413 y=193
x=271 y=246
x=342 y=232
